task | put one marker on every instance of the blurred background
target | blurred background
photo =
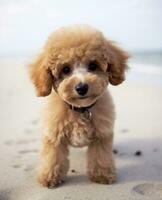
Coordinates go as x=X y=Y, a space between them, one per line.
x=136 y=25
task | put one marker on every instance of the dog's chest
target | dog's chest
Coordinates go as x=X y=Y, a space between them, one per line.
x=79 y=140
x=81 y=133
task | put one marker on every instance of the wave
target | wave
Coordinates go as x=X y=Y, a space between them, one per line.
x=146 y=69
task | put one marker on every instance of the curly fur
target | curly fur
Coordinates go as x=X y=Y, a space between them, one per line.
x=75 y=46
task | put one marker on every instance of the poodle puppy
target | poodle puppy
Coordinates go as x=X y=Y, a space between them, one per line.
x=74 y=68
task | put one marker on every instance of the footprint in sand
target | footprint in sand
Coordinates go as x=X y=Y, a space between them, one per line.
x=23 y=142
x=28 y=168
x=67 y=197
x=28 y=131
x=28 y=151
x=152 y=190
x=35 y=122
x=20 y=142
x=124 y=130
x=25 y=167
x=16 y=166
x=9 y=142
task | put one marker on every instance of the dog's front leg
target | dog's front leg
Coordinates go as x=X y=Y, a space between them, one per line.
x=101 y=167
x=55 y=163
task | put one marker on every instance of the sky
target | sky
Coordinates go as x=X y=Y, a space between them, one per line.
x=25 y=25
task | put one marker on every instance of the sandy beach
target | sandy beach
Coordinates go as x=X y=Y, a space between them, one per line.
x=137 y=143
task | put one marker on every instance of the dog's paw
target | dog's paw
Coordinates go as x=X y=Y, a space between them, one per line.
x=49 y=181
x=103 y=177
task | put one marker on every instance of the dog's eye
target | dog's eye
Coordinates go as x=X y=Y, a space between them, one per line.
x=66 y=69
x=92 y=66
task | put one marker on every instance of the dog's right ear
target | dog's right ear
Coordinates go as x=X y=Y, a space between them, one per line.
x=41 y=75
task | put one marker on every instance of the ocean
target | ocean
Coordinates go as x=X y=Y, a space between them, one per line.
x=145 y=68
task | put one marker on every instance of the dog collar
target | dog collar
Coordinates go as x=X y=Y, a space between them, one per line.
x=85 y=112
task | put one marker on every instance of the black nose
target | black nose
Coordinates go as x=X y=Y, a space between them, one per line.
x=81 y=88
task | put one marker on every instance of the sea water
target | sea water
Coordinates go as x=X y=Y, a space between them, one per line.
x=145 y=68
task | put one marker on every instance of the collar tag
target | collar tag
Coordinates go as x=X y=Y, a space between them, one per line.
x=86 y=114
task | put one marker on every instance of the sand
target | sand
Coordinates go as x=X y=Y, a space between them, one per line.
x=138 y=128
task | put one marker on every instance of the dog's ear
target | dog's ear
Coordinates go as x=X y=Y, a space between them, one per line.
x=117 y=64
x=41 y=75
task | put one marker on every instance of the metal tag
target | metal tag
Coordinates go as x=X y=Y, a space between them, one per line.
x=86 y=115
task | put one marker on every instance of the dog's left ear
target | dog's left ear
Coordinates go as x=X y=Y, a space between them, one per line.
x=117 y=64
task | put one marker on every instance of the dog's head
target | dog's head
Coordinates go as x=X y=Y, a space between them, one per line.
x=79 y=63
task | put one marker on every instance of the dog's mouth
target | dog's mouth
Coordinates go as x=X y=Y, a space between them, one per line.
x=87 y=97
x=82 y=101
x=83 y=97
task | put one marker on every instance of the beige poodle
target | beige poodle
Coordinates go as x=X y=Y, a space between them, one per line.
x=74 y=69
